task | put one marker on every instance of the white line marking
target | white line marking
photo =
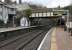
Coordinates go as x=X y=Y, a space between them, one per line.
x=42 y=43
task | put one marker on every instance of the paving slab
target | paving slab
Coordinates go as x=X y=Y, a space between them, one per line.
x=63 y=39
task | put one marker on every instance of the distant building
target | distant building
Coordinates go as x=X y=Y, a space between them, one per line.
x=34 y=6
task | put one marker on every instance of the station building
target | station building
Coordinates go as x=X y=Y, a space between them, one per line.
x=6 y=12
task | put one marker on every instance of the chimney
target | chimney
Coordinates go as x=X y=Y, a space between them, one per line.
x=20 y=1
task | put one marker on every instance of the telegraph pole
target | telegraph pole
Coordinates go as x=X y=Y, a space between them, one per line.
x=20 y=1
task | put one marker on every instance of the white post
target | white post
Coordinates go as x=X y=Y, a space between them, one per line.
x=13 y=22
x=68 y=19
x=67 y=16
x=2 y=14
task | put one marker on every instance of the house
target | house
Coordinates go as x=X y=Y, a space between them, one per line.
x=6 y=12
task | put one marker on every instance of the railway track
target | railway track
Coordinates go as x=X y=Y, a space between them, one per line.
x=27 y=41
x=6 y=42
x=34 y=44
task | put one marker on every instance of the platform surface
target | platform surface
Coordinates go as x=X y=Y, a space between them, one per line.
x=56 y=39
x=15 y=28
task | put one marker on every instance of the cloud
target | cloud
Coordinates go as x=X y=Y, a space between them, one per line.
x=55 y=3
x=50 y=3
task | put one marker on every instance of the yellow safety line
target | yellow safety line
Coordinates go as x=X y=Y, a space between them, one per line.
x=53 y=40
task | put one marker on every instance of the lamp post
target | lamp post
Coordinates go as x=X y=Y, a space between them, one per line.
x=2 y=14
x=67 y=19
x=14 y=17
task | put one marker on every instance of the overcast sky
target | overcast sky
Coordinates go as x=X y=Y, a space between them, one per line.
x=50 y=3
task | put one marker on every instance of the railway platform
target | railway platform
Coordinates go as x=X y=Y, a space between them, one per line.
x=60 y=40
x=55 y=39
x=22 y=38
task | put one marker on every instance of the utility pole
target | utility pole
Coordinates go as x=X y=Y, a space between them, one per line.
x=7 y=1
x=10 y=2
x=20 y=1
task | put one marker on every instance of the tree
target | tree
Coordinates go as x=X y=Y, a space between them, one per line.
x=68 y=8
x=27 y=12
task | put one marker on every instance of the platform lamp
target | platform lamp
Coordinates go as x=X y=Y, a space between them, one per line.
x=67 y=17
x=14 y=25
